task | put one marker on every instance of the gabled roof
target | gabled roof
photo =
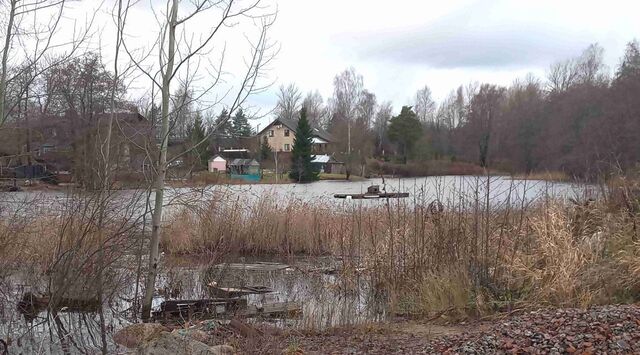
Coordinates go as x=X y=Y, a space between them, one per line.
x=293 y=125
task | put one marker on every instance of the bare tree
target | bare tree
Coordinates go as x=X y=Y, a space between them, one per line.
x=29 y=36
x=380 y=125
x=179 y=52
x=289 y=102
x=317 y=112
x=366 y=109
x=590 y=65
x=425 y=106
x=347 y=92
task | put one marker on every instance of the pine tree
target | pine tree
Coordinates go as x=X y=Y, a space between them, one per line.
x=224 y=124
x=241 y=126
x=197 y=134
x=405 y=130
x=265 y=150
x=302 y=170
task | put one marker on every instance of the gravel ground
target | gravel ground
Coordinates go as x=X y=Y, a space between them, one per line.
x=598 y=330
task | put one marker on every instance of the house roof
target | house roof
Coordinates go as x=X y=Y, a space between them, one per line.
x=234 y=154
x=215 y=158
x=323 y=159
x=293 y=125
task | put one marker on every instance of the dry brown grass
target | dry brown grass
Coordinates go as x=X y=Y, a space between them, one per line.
x=471 y=260
x=263 y=227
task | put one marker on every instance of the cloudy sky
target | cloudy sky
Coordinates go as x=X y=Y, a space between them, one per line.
x=400 y=46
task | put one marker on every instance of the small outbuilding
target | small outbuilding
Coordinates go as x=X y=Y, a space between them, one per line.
x=221 y=161
x=248 y=169
x=325 y=163
x=217 y=164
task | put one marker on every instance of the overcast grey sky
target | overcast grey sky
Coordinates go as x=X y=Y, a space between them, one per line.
x=400 y=46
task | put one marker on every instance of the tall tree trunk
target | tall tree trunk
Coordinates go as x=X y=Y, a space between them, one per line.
x=156 y=218
x=5 y=56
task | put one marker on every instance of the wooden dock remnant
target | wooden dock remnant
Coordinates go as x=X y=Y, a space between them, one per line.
x=257 y=266
x=231 y=292
x=200 y=308
x=373 y=192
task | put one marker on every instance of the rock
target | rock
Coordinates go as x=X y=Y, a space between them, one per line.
x=172 y=343
x=196 y=334
x=137 y=334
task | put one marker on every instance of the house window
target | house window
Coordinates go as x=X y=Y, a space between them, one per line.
x=271 y=133
x=286 y=133
x=286 y=147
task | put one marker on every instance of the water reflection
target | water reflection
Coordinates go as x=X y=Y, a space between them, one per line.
x=326 y=300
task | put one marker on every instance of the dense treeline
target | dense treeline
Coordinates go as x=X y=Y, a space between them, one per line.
x=580 y=119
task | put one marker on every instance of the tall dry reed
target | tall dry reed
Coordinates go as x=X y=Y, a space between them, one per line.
x=464 y=252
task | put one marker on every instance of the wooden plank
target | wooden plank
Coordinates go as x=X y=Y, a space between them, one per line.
x=259 y=266
x=279 y=309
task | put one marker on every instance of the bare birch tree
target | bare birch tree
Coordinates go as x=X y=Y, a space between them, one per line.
x=179 y=53
x=424 y=106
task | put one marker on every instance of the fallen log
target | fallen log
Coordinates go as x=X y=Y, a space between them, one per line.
x=31 y=305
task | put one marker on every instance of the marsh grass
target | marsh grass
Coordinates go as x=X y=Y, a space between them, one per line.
x=463 y=254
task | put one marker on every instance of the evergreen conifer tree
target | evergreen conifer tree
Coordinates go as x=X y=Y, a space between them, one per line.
x=302 y=170
x=198 y=133
x=241 y=126
x=265 y=150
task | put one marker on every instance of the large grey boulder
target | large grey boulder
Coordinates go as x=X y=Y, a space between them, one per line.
x=172 y=343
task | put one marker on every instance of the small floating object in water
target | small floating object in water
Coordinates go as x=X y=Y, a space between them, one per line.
x=373 y=192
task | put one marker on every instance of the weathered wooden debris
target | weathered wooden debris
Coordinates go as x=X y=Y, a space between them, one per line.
x=31 y=305
x=223 y=308
x=232 y=292
x=200 y=308
x=373 y=192
x=258 y=266
x=278 y=309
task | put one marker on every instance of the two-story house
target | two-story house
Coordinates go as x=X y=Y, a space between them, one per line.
x=280 y=133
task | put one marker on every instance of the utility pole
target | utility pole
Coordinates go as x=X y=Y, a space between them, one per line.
x=275 y=152
x=349 y=136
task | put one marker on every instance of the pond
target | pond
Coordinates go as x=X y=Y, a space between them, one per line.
x=326 y=299
x=450 y=190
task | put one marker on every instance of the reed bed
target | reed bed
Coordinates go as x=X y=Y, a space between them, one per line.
x=460 y=254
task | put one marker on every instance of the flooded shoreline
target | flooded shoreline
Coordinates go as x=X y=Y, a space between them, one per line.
x=325 y=297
